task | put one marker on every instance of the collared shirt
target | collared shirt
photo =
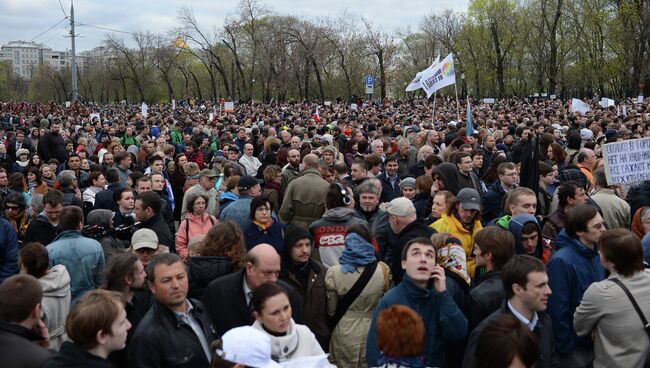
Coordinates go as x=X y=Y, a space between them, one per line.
x=247 y=292
x=191 y=321
x=530 y=324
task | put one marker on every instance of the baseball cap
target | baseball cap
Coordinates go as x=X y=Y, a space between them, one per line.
x=401 y=206
x=248 y=346
x=207 y=173
x=469 y=198
x=246 y=182
x=144 y=238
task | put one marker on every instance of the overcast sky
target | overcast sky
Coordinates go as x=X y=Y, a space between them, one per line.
x=26 y=19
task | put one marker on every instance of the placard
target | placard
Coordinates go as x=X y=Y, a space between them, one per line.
x=488 y=100
x=627 y=162
x=229 y=106
x=353 y=107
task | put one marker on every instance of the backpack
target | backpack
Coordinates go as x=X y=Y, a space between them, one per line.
x=187 y=227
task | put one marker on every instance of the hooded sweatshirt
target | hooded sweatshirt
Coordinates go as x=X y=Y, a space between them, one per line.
x=56 y=303
x=329 y=233
x=516 y=225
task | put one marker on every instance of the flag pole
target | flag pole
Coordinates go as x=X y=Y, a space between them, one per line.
x=433 y=113
x=457 y=103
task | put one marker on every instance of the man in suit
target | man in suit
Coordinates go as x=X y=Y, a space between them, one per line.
x=228 y=298
x=19 y=142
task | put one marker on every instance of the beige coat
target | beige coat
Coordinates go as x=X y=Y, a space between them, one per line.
x=620 y=339
x=348 y=341
x=304 y=200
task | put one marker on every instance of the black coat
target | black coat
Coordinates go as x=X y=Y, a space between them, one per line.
x=162 y=340
x=225 y=300
x=104 y=199
x=52 y=145
x=491 y=202
x=388 y=193
x=159 y=226
x=40 y=230
x=413 y=230
x=72 y=355
x=204 y=270
x=543 y=330
x=18 y=348
x=485 y=298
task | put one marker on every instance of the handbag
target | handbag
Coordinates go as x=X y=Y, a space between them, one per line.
x=346 y=300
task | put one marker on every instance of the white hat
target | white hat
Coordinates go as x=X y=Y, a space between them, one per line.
x=144 y=238
x=247 y=345
x=400 y=206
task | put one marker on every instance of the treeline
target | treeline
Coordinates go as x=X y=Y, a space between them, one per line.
x=503 y=48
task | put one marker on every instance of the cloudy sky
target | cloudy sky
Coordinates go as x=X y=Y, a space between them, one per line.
x=26 y=19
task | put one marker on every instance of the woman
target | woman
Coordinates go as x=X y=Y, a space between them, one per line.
x=407 y=188
x=641 y=222
x=506 y=342
x=15 y=213
x=491 y=174
x=125 y=203
x=348 y=340
x=22 y=160
x=272 y=188
x=608 y=306
x=272 y=312
x=97 y=183
x=400 y=338
x=264 y=228
x=556 y=153
x=230 y=192
x=34 y=260
x=47 y=175
x=220 y=253
x=422 y=199
x=196 y=222
x=34 y=161
x=34 y=183
x=440 y=205
x=351 y=149
x=178 y=182
x=18 y=184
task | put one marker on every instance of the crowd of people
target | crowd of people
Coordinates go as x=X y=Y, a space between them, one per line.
x=363 y=234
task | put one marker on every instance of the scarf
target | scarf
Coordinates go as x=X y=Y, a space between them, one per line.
x=358 y=252
x=452 y=257
x=263 y=226
x=273 y=185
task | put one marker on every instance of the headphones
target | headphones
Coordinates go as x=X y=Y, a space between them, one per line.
x=346 y=197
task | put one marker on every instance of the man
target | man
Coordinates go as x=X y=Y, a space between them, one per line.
x=146 y=184
x=262 y=265
x=390 y=180
x=69 y=189
x=17 y=143
x=443 y=320
x=123 y=160
x=307 y=277
x=239 y=211
x=570 y=194
x=104 y=199
x=616 y=211
x=358 y=174
x=4 y=183
x=9 y=247
x=84 y=257
x=519 y=201
x=97 y=326
x=329 y=232
x=368 y=208
x=145 y=245
x=291 y=170
x=571 y=270
x=23 y=336
x=304 y=200
x=466 y=176
x=491 y=201
x=250 y=163
x=406 y=157
x=205 y=186
x=586 y=159
x=74 y=164
x=493 y=247
x=52 y=144
x=240 y=141
x=528 y=237
x=233 y=156
x=489 y=144
x=43 y=228
x=405 y=226
x=527 y=291
x=147 y=210
x=462 y=221
x=546 y=188
x=175 y=330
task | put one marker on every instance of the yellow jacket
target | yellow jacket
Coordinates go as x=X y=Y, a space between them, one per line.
x=451 y=225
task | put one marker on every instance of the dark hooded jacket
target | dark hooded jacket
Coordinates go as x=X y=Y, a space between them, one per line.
x=516 y=225
x=449 y=174
x=73 y=355
x=203 y=270
x=40 y=230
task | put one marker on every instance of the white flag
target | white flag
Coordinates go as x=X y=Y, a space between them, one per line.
x=415 y=83
x=579 y=106
x=442 y=75
x=173 y=104
x=606 y=102
x=144 y=110
x=624 y=110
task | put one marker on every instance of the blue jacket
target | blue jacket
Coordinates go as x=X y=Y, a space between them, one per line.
x=570 y=271
x=274 y=235
x=443 y=320
x=238 y=211
x=8 y=250
x=84 y=259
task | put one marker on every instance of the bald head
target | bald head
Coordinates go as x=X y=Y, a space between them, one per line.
x=262 y=265
x=310 y=161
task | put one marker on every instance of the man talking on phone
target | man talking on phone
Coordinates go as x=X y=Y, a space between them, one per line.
x=423 y=289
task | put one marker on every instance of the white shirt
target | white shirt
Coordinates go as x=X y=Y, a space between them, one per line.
x=530 y=324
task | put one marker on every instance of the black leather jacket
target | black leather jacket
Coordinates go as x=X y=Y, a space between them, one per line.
x=162 y=340
x=484 y=299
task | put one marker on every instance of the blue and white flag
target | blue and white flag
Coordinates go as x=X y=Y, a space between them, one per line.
x=470 y=125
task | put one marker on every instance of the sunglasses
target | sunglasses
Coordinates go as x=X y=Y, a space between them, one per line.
x=12 y=208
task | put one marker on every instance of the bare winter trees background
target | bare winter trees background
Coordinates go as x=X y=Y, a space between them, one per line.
x=504 y=48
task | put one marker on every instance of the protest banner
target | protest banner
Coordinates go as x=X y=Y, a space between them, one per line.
x=144 y=110
x=229 y=106
x=415 y=83
x=442 y=75
x=627 y=162
x=488 y=100
x=579 y=106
